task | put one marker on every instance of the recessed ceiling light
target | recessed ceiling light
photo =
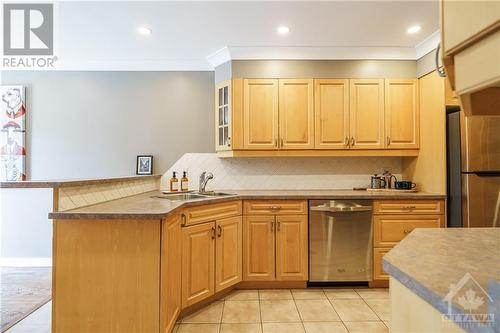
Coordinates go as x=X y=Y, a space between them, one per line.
x=283 y=30
x=414 y=29
x=145 y=31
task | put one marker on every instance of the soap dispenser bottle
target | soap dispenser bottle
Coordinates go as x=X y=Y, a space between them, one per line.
x=174 y=183
x=184 y=182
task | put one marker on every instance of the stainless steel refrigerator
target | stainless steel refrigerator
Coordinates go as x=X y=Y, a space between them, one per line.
x=473 y=156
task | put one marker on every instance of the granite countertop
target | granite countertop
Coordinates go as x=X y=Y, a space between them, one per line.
x=430 y=261
x=148 y=206
x=70 y=182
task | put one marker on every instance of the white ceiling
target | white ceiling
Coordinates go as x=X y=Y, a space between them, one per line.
x=198 y=35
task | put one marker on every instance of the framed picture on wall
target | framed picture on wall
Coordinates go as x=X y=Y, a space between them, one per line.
x=144 y=165
x=12 y=140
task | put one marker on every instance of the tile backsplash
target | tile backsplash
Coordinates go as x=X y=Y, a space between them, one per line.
x=279 y=173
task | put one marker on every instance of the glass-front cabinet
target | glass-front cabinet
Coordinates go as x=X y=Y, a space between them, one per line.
x=223 y=116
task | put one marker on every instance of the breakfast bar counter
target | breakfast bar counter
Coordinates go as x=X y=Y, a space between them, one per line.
x=445 y=280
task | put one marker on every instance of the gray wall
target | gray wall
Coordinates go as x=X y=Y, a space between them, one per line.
x=324 y=68
x=223 y=72
x=426 y=64
x=93 y=124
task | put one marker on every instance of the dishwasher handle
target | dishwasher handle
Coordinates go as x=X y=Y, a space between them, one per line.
x=341 y=209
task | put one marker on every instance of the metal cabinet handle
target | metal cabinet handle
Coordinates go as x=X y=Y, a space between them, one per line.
x=272 y=226
x=406 y=231
x=409 y=207
x=276 y=143
x=440 y=70
x=281 y=143
x=279 y=225
x=183 y=220
x=275 y=207
x=213 y=233
x=388 y=140
x=353 y=141
x=219 y=231
x=347 y=141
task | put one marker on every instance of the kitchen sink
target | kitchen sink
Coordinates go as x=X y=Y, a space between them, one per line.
x=214 y=194
x=180 y=196
x=190 y=196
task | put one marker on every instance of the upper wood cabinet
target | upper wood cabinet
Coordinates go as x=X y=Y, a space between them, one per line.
x=331 y=112
x=198 y=263
x=296 y=114
x=228 y=252
x=223 y=114
x=367 y=114
x=402 y=115
x=260 y=113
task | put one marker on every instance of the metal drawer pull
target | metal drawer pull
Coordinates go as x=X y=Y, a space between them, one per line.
x=409 y=207
x=406 y=231
x=219 y=229
x=275 y=207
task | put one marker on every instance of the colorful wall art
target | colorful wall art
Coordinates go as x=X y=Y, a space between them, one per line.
x=13 y=129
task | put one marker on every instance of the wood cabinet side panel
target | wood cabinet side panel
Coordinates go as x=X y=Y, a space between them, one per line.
x=101 y=263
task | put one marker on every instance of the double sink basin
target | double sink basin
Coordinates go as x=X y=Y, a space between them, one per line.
x=191 y=196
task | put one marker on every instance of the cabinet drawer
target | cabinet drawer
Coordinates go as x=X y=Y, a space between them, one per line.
x=378 y=271
x=212 y=212
x=408 y=207
x=275 y=207
x=388 y=230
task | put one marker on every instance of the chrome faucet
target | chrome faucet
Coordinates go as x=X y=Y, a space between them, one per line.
x=204 y=178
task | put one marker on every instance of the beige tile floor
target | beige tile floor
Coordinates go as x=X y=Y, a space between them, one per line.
x=272 y=311
x=293 y=311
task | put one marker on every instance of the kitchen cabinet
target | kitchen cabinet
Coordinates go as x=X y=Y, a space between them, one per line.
x=170 y=288
x=402 y=114
x=470 y=36
x=367 y=114
x=258 y=248
x=296 y=114
x=331 y=111
x=291 y=248
x=228 y=253
x=223 y=115
x=395 y=219
x=198 y=263
x=275 y=245
x=211 y=250
x=260 y=113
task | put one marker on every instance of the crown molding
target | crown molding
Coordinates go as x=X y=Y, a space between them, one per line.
x=427 y=45
x=219 y=57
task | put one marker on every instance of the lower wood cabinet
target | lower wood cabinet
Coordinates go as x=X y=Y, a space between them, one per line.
x=393 y=220
x=275 y=247
x=291 y=248
x=211 y=258
x=198 y=263
x=228 y=253
x=170 y=288
x=258 y=248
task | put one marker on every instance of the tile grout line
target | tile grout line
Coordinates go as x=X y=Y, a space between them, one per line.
x=298 y=312
x=260 y=312
x=222 y=314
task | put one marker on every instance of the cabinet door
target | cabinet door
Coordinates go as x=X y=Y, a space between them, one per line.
x=291 y=248
x=378 y=271
x=258 y=248
x=171 y=256
x=223 y=126
x=260 y=113
x=198 y=263
x=402 y=116
x=228 y=253
x=367 y=114
x=331 y=112
x=296 y=114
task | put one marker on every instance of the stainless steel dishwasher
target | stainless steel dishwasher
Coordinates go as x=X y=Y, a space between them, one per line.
x=340 y=240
